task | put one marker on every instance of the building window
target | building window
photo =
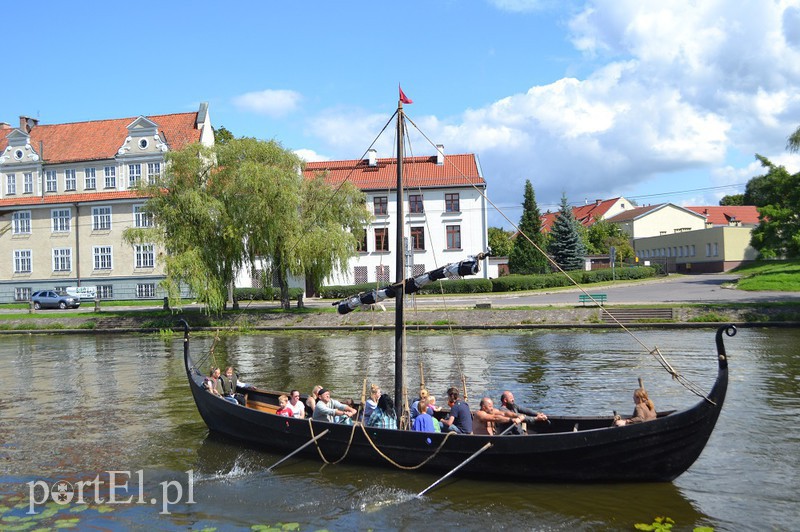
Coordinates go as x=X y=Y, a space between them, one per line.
x=708 y=250
x=153 y=172
x=89 y=179
x=417 y=270
x=140 y=217
x=134 y=174
x=382 y=239
x=61 y=218
x=146 y=290
x=102 y=257
x=382 y=274
x=716 y=249
x=11 y=184
x=50 y=181
x=70 y=183
x=62 y=260
x=21 y=223
x=27 y=183
x=360 y=275
x=361 y=246
x=105 y=291
x=380 y=205
x=110 y=173
x=22 y=294
x=452 y=203
x=145 y=255
x=101 y=218
x=453 y=236
x=693 y=251
x=418 y=238
x=22 y=261
x=415 y=204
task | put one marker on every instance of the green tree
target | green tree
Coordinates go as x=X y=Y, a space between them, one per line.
x=602 y=234
x=222 y=136
x=732 y=200
x=500 y=241
x=566 y=245
x=793 y=142
x=778 y=200
x=524 y=257
x=216 y=210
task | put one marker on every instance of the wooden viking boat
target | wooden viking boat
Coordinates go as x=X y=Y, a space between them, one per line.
x=567 y=449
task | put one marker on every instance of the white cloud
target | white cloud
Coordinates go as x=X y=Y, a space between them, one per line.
x=270 y=102
x=310 y=156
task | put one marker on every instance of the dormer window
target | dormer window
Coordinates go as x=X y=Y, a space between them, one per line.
x=143 y=143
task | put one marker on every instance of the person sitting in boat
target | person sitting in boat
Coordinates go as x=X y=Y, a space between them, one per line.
x=644 y=409
x=298 y=408
x=372 y=403
x=423 y=395
x=211 y=383
x=383 y=416
x=284 y=409
x=326 y=409
x=460 y=417
x=424 y=421
x=487 y=418
x=312 y=398
x=508 y=404
x=229 y=381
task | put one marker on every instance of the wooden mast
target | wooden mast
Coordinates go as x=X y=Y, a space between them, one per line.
x=399 y=273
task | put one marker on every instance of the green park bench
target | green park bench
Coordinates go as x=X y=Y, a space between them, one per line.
x=592 y=298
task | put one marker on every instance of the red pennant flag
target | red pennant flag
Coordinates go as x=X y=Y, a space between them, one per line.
x=403 y=97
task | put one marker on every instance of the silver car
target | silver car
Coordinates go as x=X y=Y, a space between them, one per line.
x=53 y=299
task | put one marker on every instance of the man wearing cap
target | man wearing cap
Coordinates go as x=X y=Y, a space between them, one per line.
x=326 y=408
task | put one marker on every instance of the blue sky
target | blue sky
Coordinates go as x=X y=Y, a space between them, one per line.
x=654 y=101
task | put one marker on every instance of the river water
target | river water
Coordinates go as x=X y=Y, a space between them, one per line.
x=116 y=411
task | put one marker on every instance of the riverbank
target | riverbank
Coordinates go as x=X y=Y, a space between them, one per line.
x=428 y=319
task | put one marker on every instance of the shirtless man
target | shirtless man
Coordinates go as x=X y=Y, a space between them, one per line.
x=488 y=416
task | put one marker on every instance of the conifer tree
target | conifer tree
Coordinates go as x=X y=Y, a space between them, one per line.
x=566 y=245
x=525 y=258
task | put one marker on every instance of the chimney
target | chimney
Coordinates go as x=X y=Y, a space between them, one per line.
x=372 y=157
x=440 y=154
x=598 y=202
x=5 y=125
x=27 y=123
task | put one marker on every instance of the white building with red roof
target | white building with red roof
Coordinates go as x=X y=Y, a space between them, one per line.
x=66 y=193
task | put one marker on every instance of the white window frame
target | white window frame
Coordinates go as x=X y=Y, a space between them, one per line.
x=60 y=220
x=89 y=178
x=21 y=223
x=110 y=176
x=11 y=184
x=27 y=183
x=144 y=256
x=134 y=174
x=140 y=217
x=23 y=261
x=51 y=181
x=101 y=218
x=146 y=290
x=70 y=179
x=103 y=258
x=105 y=291
x=62 y=259
x=153 y=172
x=22 y=293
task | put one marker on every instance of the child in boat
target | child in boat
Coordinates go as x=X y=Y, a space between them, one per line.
x=284 y=410
x=644 y=409
x=424 y=422
x=211 y=383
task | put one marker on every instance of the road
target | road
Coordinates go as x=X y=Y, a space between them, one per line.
x=707 y=288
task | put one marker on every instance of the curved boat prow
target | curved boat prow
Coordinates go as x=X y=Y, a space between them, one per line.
x=730 y=330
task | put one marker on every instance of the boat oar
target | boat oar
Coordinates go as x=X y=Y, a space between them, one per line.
x=459 y=466
x=306 y=444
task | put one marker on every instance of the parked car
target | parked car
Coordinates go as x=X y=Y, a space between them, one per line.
x=53 y=299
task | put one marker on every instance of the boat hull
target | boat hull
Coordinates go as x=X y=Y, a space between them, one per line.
x=569 y=449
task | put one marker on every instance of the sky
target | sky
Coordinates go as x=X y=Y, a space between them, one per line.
x=654 y=101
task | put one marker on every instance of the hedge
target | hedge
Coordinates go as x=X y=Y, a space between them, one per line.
x=264 y=294
x=459 y=286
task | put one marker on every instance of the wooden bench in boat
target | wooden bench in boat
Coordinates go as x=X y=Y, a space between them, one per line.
x=261 y=406
x=592 y=298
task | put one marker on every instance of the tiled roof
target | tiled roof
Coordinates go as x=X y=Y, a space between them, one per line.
x=32 y=201
x=723 y=215
x=418 y=172
x=634 y=213
x=100 y=139
x=584 y=214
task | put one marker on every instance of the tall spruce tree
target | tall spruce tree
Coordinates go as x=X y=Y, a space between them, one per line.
x=524 y=257
x=566 y=245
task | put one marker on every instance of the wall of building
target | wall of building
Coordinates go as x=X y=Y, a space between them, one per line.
x=715 y=249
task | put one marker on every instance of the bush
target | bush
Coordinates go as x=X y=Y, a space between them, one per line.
x=264 y=294
x=460 y=286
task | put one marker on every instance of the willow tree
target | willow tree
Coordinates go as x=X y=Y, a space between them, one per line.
x=217 y=210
